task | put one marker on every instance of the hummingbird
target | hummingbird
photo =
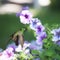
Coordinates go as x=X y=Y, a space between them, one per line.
x=18 y=38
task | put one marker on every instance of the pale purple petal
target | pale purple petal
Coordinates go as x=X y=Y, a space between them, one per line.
x=25 y=17
x=37 y=59
x=39 y=42
x=8 y=52
x=56 y=36
x=39 y=29
x=40 y=37
x=58 y=42
x=35 y=46
x=18 y=14
x=43 y=35
x=34 y=22
x=25 y=8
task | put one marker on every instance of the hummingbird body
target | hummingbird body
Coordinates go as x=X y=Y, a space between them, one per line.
x=18 y=38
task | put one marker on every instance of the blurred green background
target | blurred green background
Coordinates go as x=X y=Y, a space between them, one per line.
x=9 y=23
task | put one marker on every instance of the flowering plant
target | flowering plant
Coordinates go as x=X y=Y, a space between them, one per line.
x=45 y=47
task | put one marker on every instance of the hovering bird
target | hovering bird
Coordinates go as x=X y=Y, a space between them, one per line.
x=18 y=38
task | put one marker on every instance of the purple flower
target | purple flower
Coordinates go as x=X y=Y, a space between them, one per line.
x=37 y=59
x=18 y=14
x=39 y=42
x=24 y=8
x=25 y=17
x=39 y=29
x=58 y=42
x=34 y=22
x=7 y=54
x=56 y=36
x=35 y=46
x=12 y=45
x=40 y=38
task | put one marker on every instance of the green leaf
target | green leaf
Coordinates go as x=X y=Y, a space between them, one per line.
x=35 y=52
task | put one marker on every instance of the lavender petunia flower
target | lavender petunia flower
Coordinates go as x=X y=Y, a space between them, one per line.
x=35 y=46
x=25 y=17
x=7 y=54
x=56 y=36
x=12 y=45
x=58 y=42
x=39 y=42
x=34 y=22
x=40 y=38
x=37 y=59
x=39 y=29
x=18 y=14
x=24 y=8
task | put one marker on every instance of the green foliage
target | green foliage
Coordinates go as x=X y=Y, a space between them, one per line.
x=51 y=51
x=23 y=56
